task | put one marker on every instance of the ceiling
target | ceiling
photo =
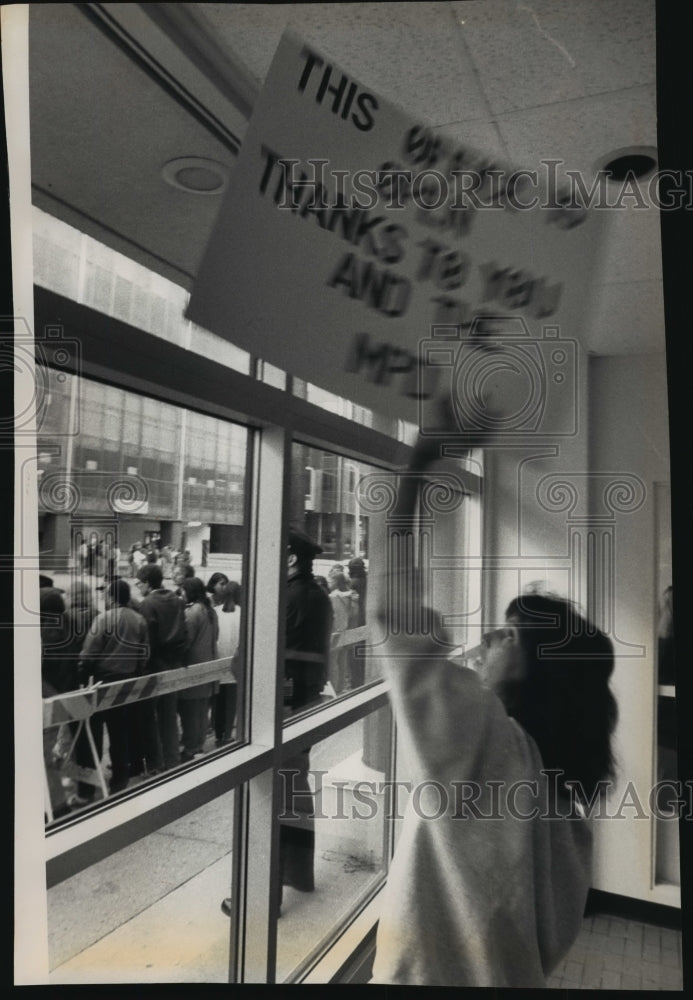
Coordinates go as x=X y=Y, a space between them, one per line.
x=118 y=90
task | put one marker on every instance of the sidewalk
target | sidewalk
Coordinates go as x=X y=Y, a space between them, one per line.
x=129 y=919
x=151 y=913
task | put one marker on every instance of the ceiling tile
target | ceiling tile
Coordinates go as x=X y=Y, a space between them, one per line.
x=581 y=132
x=101 y=131
x=483 y=136
x=408 y=52
x=549 y=51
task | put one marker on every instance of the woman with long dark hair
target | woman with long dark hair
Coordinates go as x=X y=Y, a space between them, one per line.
x=563 y=699
x=201 y=647
x=490 y=876
x=226 y=600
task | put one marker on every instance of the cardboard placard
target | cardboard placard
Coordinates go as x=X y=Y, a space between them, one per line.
x=327 y=264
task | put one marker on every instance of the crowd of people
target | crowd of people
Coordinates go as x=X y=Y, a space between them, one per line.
x=106 y=627
x=140 y=628
x=98 y=556
x=347 y=590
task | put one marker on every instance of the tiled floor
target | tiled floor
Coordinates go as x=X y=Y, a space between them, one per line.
x=619 y=954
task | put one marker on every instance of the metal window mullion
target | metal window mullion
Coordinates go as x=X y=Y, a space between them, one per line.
x=84 y=841
x=201 y=383
x=258 y=873
x=240 y=846
x=333 y=719
x=75 y=846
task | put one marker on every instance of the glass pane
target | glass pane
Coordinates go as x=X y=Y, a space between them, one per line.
x=77 y=266
x=346 y=408
x=325 y=508
x=139 y=676
x=149 y=913
x=332 y=836
x=667 y=855
x=271 y=375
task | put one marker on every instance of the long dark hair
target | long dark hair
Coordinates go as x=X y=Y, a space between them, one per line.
x=564 y=701
x=232 y=591
x=195 y=593
x=214 y=579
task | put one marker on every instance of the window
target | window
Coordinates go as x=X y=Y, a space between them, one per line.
x=102 y=522
x=169 y=472
x=325 y=506
x=149 y=913
x=345 y=822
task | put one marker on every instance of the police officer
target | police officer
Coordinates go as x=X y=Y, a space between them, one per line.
x=308 y=634
x=308 y=626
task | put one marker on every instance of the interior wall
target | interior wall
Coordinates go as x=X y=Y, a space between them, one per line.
x=534 y=488
x=578 y=517
x=629 y=435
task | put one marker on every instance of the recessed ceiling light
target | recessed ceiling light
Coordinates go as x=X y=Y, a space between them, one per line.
x=631 y=161
x=196 y=175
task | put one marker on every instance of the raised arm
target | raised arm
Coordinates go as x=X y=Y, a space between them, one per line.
x=399 y=605
x=446 y=716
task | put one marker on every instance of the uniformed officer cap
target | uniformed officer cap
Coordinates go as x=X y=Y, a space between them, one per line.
x=302 y=546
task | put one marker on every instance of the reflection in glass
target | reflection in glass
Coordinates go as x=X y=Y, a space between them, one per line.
x=142 y=544
x=325 y=507
x=332 y=832
x=81 y=268
x=667 y=858
x=150 y=912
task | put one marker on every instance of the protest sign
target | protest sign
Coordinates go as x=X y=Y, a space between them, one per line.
x=357 y=248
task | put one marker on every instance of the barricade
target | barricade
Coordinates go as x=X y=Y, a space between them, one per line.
x=79 y=706
x=349 y=637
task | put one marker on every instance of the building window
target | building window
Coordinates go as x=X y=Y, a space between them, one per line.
x=149 y=913
x=222 y=492
x=104 y=518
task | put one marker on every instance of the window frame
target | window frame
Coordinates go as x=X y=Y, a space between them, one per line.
x=275 y=419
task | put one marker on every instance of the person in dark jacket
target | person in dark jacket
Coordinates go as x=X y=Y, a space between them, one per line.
x=308 y=634
x=79 y=616
x=115 y=649
x=164 y=613
x=308 y=626
x=55 y=673
x=358 y=580
x=57 y=668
